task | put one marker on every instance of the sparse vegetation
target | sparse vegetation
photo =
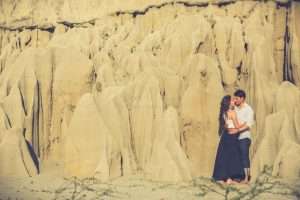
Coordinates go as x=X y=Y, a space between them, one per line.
x=93 y=188
x=75 y=188
x=265 y=183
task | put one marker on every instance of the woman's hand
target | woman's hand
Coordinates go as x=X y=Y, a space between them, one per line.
x=233 y=131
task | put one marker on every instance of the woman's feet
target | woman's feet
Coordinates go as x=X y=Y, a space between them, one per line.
x=231 y=182
x=228 y=182
x=221 y=182
x=245 y=181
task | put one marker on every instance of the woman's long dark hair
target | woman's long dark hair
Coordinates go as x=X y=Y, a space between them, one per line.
x=224 y=107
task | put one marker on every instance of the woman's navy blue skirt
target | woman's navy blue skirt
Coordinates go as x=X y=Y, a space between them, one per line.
x=228 y=162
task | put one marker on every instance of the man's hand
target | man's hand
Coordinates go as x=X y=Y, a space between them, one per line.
x=232 y=131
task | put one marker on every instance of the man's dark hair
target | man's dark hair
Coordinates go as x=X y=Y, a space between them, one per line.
x=240 y=93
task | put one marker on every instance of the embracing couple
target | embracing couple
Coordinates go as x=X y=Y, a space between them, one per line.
x=232 y=160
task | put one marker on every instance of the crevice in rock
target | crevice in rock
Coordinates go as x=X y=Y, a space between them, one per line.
x=23 y=103
x=122 y=165
x=30 y=27
x=217 y=54
x=37 y=38
x=188 y=4
x=225 y=3
x=184 y=3
x=246 y=47
x=142 y=12
x=26 y=43
x=33 y=156
x=131 y=137
x=239 y=68
x=6 y=116
x=34 y=133
x=48 y=29
x=224 y=85
x=287 y=67
x=78 y=24
x=41 y=122
x=38 y=119
x=198 y=48
x=47 y=146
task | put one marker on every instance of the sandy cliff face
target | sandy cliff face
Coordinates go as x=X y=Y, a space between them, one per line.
x=112 y=88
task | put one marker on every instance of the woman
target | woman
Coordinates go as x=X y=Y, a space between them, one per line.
x=228 y=164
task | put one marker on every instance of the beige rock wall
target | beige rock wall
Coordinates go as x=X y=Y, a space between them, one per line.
x=15 y=156
x=278 y=143
x=115 y=88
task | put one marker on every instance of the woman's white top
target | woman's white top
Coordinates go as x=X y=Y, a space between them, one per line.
x=230 y=123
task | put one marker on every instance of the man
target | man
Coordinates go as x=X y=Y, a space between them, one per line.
x=245 y=116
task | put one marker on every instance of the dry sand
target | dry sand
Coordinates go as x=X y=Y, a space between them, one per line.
x=49 y=184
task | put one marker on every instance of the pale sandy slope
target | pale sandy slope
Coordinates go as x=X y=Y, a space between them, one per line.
x=49 y=185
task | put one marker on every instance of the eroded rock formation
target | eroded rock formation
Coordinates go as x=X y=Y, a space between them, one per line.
x=113 y=88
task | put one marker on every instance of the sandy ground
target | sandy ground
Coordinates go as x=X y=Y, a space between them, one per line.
x=49 y=184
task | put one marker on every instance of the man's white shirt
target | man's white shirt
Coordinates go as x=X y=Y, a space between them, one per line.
x=245 y=115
